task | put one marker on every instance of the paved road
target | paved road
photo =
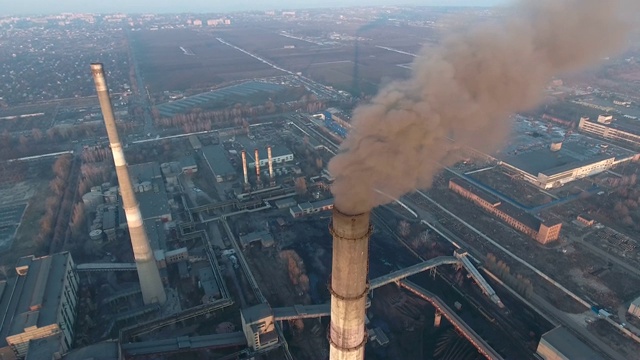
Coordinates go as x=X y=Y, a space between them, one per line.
x=142 y=97
x=578 y=329
x=615 y=260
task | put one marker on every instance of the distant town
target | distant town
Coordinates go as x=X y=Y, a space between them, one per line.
x=227 y=123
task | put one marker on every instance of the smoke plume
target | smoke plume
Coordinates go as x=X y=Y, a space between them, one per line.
x=466 y=89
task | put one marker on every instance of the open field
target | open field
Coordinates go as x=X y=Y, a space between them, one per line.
x=28 y=227
x=166 y=67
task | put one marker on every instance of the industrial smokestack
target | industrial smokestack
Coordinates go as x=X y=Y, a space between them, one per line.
x=271 y=180
x=244 y=167
x=465 y=88
x=349 y=284
x=148 y=274
x=258 y=179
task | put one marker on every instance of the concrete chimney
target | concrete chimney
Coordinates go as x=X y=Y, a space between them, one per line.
x=349 y=285
x=244 y=167
x=258 y=179
x=271 y=179
x=148 y=274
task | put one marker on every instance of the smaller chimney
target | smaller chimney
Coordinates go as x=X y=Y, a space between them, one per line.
x=244 y=167
x=257 y=158
x=272 y=181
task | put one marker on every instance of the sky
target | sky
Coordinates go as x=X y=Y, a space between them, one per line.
x=157 y=6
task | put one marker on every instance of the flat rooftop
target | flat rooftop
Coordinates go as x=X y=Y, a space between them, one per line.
x=154 y=203
x=531 y=221
x=491 y=199
x=40 y=287
x=568 y=345
x=539 y=161
x=218 y=159
x=621 y=123
x=144 y=172
x=250 y=145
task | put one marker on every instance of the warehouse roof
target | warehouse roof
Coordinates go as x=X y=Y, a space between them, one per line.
x=39 y=288
x=156 y=234
x=250 y=145
x=574 y=165
x=491 y=199
x=264 y=237
x=568 y=346
x=256 y=313
x=154 y=203
x=518 y=214
x=144 y=172
x=218 y=160
x=537 y=161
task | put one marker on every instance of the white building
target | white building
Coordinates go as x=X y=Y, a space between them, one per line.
x=258 y=325
x=608 y=132
x=39 y=303
x=279 y=154
x=634 y=308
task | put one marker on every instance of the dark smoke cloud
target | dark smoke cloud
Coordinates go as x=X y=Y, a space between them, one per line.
x=466 y=89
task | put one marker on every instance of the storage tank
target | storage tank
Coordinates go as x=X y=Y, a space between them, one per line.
x=110 y=197
x=95 y=235
x=91 y=200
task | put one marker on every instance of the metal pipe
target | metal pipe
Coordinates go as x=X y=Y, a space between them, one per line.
x=244 y=167
x=148 y=274
x=349 y=284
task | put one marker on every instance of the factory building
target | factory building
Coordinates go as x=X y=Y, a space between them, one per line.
x=634 y=307
x=560 y=344
x=188 y=165
x=308 y=208
x=263 y=237
x=540 y=230
x=207 y=281
x=218 y=161
x=39 y=303
x=606 y=128
x=559 y=165
x=258 y=325
x=280 y=155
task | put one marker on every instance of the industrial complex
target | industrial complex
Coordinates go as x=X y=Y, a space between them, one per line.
x=188 y=211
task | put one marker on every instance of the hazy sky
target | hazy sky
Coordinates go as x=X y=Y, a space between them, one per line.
x=55 y=6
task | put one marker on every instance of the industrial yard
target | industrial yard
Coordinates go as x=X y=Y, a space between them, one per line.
x=187 y=211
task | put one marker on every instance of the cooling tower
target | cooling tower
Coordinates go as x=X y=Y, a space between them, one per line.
x=150 y=282
x=349 y=285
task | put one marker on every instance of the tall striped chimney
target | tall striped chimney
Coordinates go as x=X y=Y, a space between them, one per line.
x=244 y=167
x=271 y=179
x=258 y=179
x=148 y=274
x=349 y=285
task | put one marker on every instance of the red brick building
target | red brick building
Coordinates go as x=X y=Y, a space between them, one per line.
x=541 y=230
